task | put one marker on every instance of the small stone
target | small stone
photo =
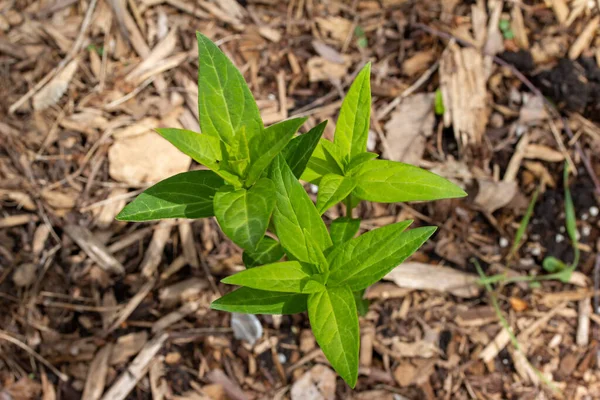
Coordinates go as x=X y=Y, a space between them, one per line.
x=246 y=327
x=594 y=211
x=559 y=238
x=317 y=384
x=503 y=242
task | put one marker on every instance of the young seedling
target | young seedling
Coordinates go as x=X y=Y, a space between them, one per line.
x=252 y=185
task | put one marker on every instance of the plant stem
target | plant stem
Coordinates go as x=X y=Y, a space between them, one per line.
x=348 y=203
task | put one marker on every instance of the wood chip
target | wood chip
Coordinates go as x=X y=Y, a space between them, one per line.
x=96 y=377
x=155 y=249
x=421 y=276
x=94 y=248
x=136 y=370
x=316 y=384
x=128 y=346
x=463 y=86
x=584 y=39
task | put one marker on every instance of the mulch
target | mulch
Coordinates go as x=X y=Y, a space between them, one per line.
x=497 y=96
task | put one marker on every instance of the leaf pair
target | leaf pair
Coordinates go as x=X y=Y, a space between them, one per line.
x=345 y=168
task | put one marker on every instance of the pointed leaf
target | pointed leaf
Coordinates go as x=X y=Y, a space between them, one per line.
x=322 y=162
x=225 y=102
x=315 y=254
x=366 y=259
x=390 y=182
x=268 y=251
x=333 y=189
x=244 y=214
x=298 y=151
x=362 y=304
x=288 y=277
x=333 y=319
x=185 y=195
x=204 y=149
x=343 y=229
x=294 y=212
x=253 y=301
x=264 y=147
x=352 y=128
x=359 y=160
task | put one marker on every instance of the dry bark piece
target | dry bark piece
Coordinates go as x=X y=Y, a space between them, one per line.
x=155 y=249
x=182 y=290
x=405 y=373
x=422 y=276
x=316 y=384
x=321 y=69
x=409 y=127
x=232 y=389
x=128 y=346
x=584 y=39
x=463 y=86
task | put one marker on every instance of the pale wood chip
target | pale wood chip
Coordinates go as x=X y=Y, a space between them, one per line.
x=422 y=276
x=584 y=39
x=127 y=346
x=155 y=249
x=136 y=370
x=96 y=377
x=94 y=248
x=583 y=322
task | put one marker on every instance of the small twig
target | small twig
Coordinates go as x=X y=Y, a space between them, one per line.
x=6 y=336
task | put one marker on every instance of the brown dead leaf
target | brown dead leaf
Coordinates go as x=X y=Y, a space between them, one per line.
x=145 y=158
x=422 y=276
x=409 y=127
x=337 y=28
x=493 y=195
x=541 y=152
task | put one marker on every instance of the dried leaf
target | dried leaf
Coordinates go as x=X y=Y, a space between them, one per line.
x=493 y=195
x=54 y=90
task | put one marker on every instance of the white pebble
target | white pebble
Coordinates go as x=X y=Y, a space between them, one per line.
x=314 y=188
x=536 y=251
x=271 y=97
x=586 y=230
x=503 y=242
x=594 y=211
x=559 y=238
x=282 y=358
x=371 y=141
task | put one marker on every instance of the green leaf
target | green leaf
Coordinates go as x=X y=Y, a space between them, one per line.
x=343 y=229
x=243 y=214
x=366 y=259
x=524 y=223
x=288 y=277
x=322 y=162
x=333 y=189
x=202 y=148
x=332 y=315
x=185 y=195
x=359 y=160
x=553 y=265
x=315 y=253
x=225 y=102
x=264 y=147
x=294 y=212
x=390 y=182
x=252 y=301
x=352 y=128
x=438 y=104
x=570 y=220
x=362 y=305
x=298 y=151
x=268 y=251
x=236 y=157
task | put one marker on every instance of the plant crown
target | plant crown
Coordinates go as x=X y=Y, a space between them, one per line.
x=252 y=186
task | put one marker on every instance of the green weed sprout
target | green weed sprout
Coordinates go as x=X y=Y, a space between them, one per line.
x=252 y=185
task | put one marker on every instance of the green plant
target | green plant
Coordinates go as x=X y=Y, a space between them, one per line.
x=252 y=186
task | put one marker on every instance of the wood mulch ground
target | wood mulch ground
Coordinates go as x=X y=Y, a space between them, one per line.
x=494 y=95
